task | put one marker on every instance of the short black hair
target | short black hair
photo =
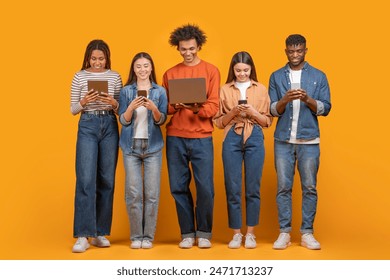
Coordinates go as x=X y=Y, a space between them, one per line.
x=295 y=39
x=188 y=32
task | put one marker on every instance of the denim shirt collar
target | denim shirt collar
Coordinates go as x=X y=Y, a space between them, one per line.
x=134 y=85
x=287 y=67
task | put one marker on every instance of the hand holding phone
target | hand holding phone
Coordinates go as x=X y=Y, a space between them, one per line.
x=143 y=93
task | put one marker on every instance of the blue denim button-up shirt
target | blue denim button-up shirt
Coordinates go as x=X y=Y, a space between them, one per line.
x=155 y=140
x=316 y=85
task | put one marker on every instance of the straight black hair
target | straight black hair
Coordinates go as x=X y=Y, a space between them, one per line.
x=132 y=76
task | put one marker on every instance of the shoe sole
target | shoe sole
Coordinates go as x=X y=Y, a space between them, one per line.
x=207 y=246
x=281 y=248
x=304 y=244
x=96 y=244
x=186 y=247
x=80 y=251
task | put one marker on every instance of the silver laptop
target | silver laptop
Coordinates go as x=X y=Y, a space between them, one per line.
x=187 y=91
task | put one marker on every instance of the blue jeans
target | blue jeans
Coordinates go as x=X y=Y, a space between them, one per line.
x=142 y=189
x=96 y=159
x=200 y=152
x=307 y=159
x=234 y=152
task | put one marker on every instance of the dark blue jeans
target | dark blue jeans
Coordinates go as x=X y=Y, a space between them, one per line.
x=234 y=153
x=200 y=152
x=96 y=159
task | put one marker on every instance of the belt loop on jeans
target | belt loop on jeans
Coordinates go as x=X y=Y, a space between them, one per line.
x=99 y=112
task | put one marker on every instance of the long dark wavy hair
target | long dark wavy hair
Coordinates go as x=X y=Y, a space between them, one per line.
x=132 y=76
x=241 y=57
x=96 y=45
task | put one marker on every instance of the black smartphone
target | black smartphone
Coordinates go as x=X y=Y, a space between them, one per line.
x=242 y=101
x=142 y=92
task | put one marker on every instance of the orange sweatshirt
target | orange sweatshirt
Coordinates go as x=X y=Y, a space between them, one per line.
x=184 y=123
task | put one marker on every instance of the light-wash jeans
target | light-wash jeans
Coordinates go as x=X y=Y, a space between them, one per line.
x=307 y=158
x=142 y=190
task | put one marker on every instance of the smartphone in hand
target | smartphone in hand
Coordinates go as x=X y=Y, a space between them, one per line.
x=295 y=85
x=242 y=101
x=143 y=93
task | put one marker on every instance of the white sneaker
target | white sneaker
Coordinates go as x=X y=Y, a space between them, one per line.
x=204 y=243
x=283 y=241
x=250 y=242
x=81 y=245
x=100 y=241
x=146 y=244
x=187 y=243
x=310 y=242
x=136 y=244
x=235 y=243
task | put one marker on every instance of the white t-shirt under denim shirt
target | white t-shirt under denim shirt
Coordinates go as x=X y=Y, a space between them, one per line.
x=295 y=77
x=141 y=123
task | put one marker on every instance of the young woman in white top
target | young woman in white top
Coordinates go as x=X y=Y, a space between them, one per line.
x=243 y=112
x=142 y=111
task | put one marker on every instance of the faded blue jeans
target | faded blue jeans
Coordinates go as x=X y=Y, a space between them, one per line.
x=194 y=221
x=142 y=189
x=234 y=153
x=96 y=159
x=306 y=156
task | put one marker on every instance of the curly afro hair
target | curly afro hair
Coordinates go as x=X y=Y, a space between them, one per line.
x=187 y=32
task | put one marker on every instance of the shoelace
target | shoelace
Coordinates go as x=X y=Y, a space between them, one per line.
x=237 y=237
x=187 y=240
x=250 y=237
x=311 y=238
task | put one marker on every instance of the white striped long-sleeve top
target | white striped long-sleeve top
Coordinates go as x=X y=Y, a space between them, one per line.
x=80 y=88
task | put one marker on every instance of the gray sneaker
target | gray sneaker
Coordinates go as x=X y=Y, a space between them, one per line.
x=136 y=244
x=250 y=242
x=308 y=241
x=100 y=241
x=81 y=245
x=187 y=243
x=146 y=244
x=235 y=243
x=283 y=241
x=204 y=243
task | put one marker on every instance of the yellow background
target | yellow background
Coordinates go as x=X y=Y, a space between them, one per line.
x=42 y=46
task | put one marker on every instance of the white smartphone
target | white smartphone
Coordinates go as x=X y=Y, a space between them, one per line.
x=295 y=85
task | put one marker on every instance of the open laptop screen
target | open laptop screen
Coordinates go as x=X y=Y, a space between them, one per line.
x=187 y=91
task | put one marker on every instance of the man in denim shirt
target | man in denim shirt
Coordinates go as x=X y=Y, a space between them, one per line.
x=299 y=93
